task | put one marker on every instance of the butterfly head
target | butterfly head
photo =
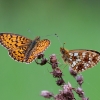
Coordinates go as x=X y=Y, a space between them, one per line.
x=63 y=50
x=37 y=38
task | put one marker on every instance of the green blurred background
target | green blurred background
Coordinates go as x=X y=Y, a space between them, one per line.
x=77 y=23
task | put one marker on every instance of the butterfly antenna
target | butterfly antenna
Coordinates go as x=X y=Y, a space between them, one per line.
x=63 y=45
x=48 y=35
x=30 y=32
x=58 y=39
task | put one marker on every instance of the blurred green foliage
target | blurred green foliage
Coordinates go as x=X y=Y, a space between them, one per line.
x=77 y=23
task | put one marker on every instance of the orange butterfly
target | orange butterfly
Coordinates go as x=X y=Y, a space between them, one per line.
x=80 y=59
x=21 y=48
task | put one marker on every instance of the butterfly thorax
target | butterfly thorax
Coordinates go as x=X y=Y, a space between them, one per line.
x=31 y=47
x=65 y=54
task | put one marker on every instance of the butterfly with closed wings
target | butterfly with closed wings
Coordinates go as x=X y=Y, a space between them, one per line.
x=80 y=59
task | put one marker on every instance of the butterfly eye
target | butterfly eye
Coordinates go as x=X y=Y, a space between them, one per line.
x=37 y=38
x=62 y=50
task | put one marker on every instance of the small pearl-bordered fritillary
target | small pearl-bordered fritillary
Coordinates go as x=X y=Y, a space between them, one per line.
x=80 y=59
x=21 y=48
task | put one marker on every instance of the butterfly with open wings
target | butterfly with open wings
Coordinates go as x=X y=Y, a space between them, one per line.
x=21 y=48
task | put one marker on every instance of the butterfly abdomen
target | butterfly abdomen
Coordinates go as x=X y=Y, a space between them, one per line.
x=30 y=49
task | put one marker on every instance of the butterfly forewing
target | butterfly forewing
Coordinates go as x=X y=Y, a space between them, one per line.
x=40 y=47
x=21 y=48
x=12 y=41
x=80 y=60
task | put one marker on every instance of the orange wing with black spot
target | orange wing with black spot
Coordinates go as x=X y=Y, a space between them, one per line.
x=13 y=41
x=40 y=47
x=17 y=45
x=21 y=48
x=19 y=53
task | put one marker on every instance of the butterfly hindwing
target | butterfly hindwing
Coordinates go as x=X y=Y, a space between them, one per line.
x=83 y=59
x=80 y=60
x=19 y=53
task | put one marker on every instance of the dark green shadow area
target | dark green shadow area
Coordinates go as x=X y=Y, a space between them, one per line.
x=77 y=23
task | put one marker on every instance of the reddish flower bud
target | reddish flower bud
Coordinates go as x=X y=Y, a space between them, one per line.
x=40 y=56
x=53 y=58
x=72 y=72
x=54 y=65
x=57 y=73
x=79 y=79
x=80 y=92
x=46 y=94
x=60 y=82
